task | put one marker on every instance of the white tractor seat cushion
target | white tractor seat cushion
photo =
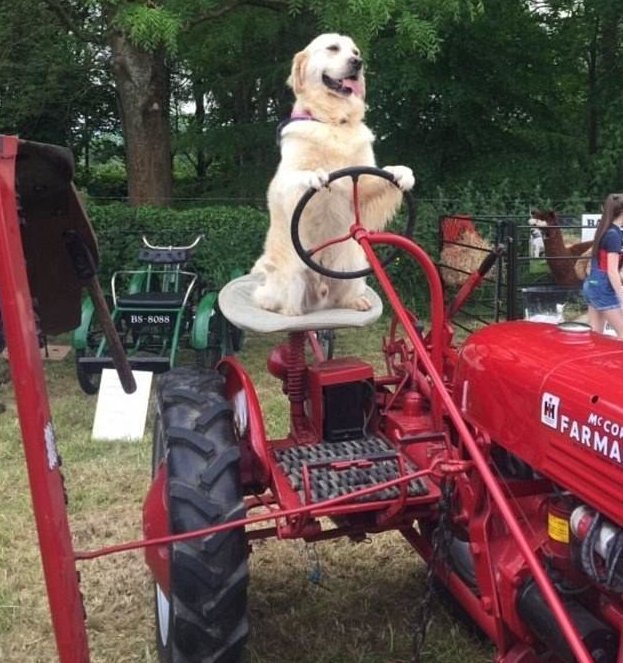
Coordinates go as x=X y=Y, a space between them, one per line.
x=236 y=303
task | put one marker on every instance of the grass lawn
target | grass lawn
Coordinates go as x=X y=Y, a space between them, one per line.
x=363 y=610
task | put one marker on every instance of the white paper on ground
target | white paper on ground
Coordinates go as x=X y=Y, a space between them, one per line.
x=121 y=416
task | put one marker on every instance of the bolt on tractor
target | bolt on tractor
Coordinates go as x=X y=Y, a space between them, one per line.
x=498 y=459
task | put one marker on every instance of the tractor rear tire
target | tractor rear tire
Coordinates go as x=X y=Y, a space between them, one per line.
x=204 y=618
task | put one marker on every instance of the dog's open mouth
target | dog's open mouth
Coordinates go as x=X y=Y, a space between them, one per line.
x=345 y=86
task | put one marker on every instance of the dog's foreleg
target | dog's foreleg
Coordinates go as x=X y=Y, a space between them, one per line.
x=380 y=200
x=310 y=179
x=403 y=176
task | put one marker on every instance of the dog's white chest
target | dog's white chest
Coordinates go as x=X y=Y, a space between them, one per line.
x=326 y=146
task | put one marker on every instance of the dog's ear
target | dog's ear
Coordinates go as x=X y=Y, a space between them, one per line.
x=297 y=76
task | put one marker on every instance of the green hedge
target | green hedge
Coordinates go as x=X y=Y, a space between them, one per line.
x=234 y=238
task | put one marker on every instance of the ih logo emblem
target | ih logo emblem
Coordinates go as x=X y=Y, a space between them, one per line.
x=550 y=405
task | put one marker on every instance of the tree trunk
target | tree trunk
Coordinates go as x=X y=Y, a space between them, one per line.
x=200 y=115
x=142 y=86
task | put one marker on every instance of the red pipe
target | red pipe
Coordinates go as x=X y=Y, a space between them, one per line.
x=366 y=239
x=277 y=514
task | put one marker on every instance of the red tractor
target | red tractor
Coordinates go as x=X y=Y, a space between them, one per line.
x=498 y=460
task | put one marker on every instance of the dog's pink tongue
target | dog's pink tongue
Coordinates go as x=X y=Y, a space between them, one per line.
x=354 y=85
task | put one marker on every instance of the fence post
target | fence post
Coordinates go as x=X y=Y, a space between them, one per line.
x=511 y=271
x=499 y=271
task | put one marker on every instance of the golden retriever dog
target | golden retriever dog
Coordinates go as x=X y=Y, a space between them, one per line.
x=325 y=133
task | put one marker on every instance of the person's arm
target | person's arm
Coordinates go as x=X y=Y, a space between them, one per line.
x=614 y=276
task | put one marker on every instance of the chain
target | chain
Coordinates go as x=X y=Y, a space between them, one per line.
x=312 y=561
x=441 y=537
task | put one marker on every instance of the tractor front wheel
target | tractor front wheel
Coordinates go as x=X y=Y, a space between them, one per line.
x=204 y=616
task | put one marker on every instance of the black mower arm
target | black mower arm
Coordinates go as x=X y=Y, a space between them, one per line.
x=86 y=271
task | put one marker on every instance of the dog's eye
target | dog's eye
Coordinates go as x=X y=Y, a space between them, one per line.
x=334 y=48
x=355 y=52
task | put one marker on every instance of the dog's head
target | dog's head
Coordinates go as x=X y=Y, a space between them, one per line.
x=327 y=77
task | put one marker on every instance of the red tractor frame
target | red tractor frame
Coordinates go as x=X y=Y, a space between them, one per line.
x=497 y=460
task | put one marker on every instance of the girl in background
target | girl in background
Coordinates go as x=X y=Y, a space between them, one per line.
x=602 y=287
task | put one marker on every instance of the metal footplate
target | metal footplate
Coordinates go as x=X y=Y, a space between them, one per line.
x=330 y=469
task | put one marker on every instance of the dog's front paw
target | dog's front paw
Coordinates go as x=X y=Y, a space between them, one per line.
x=314 y=179
x=403 y=176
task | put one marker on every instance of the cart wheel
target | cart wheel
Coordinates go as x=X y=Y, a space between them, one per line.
x=214 y=352
x=237 y=337
x=89 y=382
x=204 y=617
x=209 y=357
x=223 y=339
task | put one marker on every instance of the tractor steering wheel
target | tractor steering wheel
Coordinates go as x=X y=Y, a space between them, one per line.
x=354 y=173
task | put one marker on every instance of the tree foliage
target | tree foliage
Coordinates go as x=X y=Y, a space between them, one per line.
x=480 y=91
x=53 y=86
x=149 y=26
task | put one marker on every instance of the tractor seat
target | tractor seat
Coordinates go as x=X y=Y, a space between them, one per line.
x=237 y=305
x=165 y=256
x=155 y=300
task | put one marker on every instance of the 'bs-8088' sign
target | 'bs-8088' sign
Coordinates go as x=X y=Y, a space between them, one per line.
x=149 y=319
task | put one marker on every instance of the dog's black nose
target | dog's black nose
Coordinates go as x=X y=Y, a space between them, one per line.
x=356 y=63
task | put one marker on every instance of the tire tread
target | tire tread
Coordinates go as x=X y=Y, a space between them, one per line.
x=209 y=575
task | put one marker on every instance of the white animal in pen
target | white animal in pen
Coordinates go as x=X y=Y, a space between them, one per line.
x=537 y=247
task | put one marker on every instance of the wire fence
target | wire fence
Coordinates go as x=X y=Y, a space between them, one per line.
x=568 y=208
x=538 y=277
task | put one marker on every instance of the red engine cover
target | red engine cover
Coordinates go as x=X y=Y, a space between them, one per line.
x=554 y=398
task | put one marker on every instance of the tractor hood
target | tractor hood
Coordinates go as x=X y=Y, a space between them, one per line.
x=552 y=396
